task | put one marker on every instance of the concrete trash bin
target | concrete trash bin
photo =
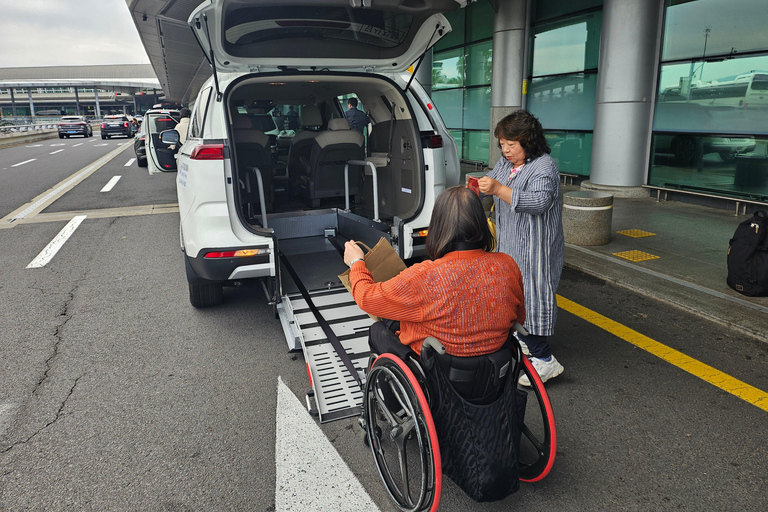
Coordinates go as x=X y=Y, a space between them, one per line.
x=587 y=216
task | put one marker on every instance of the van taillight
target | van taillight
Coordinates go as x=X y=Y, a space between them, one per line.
x=125 y=125
x=208 y=152
x=432 y=141
x=102 y=126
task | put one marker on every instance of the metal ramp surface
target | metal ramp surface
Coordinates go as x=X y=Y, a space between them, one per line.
x=336 y=392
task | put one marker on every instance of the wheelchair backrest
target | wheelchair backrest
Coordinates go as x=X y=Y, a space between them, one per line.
x=478 y=379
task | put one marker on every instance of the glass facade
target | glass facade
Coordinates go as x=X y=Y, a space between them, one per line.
x=563 y=86
x=461 y=78
x=709 y=130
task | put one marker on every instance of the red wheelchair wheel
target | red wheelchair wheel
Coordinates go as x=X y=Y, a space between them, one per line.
x=402 y=436
x=538 y=443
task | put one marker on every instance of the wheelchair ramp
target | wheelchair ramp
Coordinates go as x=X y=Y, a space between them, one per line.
x=336 y=393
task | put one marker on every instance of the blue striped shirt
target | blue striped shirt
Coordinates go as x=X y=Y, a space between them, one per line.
x=530 y=229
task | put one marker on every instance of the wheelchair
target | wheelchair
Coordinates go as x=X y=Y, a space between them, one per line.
x=399 y=401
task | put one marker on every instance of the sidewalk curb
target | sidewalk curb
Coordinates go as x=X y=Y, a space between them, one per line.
x=734 y=313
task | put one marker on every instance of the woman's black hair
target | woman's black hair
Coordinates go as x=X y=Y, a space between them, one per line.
x=457 y=217
x=523 y=127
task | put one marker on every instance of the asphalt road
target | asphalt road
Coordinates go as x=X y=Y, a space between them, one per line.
x=116 y=394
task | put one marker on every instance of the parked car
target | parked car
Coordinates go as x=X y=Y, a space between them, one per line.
x=153 y=122
x=74 y=125
x=238 y=202
x=115 y=125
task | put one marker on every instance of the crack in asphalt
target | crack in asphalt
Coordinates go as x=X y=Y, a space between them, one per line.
x=56 y=418
x=58 y=336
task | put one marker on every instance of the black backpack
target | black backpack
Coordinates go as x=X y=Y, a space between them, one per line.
x=748 y=256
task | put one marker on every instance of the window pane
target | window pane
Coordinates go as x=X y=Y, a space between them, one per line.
x=479 y=20
x=476 y=145
x=457 y=136
x=550 y=9
x=448 y=69
x=714 y=27
x=477 y=108
x=571 y=151
x=456 y=36
x=720 y=97
x=479 y=63
x=450 y=105
x=726 y=165
x=565 y=48
x=564 y=102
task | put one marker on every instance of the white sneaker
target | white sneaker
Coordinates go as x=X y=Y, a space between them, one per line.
x=546 y=370
x=523 y=346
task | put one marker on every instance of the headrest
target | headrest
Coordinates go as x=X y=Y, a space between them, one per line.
x=331 y=138
x=310 y=116
x=242 y=123
x=339 y=123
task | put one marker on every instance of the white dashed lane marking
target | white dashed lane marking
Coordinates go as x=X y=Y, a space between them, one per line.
x=57 y=151
x=111 y=184
x=130 y=162
x=58 y=241
x=24 y=162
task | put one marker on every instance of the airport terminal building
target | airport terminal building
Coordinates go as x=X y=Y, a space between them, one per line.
x=666 y=93
x=632 y=94
x=53 y=91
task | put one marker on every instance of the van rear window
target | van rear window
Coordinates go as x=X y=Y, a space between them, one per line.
x=372 y=27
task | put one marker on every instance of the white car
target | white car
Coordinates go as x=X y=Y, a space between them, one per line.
x=243 y=203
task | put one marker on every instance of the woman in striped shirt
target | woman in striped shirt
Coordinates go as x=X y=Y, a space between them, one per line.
x=466 y=296
x=525 y=184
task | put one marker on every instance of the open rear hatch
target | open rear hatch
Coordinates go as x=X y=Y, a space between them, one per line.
x=348 y=35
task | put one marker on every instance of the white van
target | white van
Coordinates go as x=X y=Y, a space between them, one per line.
x=272 y=180
x=249 y=187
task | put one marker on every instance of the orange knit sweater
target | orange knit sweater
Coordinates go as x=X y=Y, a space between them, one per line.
x=468 y=300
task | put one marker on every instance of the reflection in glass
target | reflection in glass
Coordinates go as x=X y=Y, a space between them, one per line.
x=694 y=29
x=457 y=136
x=448 y=69
x=456 y=36
x=450 y=104
x=729 y=96
x=567 y=48
x=479 y=20
x=476 y=145
x=736 y=166
x=477 y=108
x=572 y=151
x=479 y=68
x=564 y=102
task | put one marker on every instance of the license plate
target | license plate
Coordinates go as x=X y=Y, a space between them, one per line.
x=72 y=131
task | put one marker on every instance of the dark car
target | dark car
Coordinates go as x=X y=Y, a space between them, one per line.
x=115 y=125
x=74 y=125
x=166 y=121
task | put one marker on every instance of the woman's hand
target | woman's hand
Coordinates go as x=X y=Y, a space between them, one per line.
x=489 y=186
x=352 y=252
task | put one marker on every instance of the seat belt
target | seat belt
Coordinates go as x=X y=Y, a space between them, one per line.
x=323 y=323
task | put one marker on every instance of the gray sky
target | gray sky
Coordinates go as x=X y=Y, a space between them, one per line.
x=67 y=33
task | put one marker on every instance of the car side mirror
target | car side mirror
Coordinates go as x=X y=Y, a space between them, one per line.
x=170 y=137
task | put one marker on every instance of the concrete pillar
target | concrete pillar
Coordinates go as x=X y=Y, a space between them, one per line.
x=629 y=49
x=31 y=103
x=13 y=103
x=508 y=66
x=77 y=102
x=424 y=73
x=98 y=106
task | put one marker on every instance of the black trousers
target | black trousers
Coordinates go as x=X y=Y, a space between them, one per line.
x=383 y=340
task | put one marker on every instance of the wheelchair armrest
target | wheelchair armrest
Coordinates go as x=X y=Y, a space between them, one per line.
x=434 y=344
x=519 y=328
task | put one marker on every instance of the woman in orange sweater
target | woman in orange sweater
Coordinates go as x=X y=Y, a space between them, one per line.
x=465 y=296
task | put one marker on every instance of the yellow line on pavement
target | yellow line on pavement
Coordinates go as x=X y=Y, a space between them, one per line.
x=748 y=393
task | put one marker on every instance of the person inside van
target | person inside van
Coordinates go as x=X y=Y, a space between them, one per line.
x=357 y=118
x=465 y=295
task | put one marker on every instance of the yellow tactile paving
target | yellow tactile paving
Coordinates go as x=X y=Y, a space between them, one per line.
x=636 y=256
x=636 y=233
